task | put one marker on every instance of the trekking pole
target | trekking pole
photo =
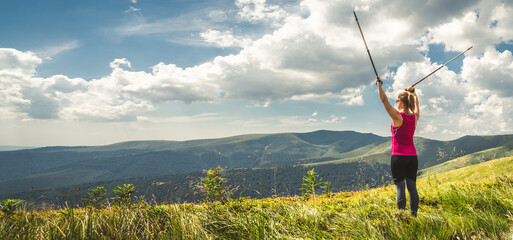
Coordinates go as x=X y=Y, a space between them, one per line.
x=441 y=67
x=365 y=44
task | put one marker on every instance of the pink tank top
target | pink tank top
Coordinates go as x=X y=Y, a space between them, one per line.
x=402 y=137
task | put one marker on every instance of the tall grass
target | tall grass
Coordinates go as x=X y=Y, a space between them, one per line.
x=447 y=211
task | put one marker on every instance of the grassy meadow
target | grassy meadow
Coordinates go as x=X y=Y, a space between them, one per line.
x=474 y=202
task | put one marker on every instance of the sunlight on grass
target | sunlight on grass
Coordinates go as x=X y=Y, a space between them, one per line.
x=450 y=208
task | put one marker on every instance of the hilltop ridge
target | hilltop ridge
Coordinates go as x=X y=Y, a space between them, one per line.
x=54 y=167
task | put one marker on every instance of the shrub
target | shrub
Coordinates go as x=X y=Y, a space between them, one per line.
x=212 y=185
x=326 y=187
x=124 y=194
x=312 y=180
x=97 y=198
x=9 y=206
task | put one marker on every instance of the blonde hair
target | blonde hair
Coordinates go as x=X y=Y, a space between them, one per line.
x=407 y=99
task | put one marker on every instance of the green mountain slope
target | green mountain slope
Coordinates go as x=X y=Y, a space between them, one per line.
x=61 y=166
x=471 y=159
x=52 y=167
x=485 y=171
x=434 y=154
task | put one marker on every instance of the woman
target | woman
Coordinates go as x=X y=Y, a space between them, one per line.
x=404 y=160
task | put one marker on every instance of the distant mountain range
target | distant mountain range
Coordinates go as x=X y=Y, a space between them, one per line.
x=54 y=167
x=12 y=148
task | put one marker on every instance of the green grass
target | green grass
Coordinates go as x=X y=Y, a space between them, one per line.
x=470 y=159
x=470 y=203
x=487 y=171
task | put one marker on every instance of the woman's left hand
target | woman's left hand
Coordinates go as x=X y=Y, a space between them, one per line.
x=410 y=89
x=379 y=82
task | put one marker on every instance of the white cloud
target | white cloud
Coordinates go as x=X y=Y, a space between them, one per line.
x=186 y=23
x=333 y=119
x=488 y=24
x=49 y=52
x=475 y=101
x=27 y=96
x=217 y=16
x=493 y=71
x=258 y=10
x=429 y=128
x=440 y=92
x=169 y=83
x=314 y=53
x=132 y=9
x=117 y=63
x=120 y=96
x=266 y=104
x=492 y=116
x=312 y=56
x=349 y=97
x=16 y=70
x=62 y=84
x=16 y=63
x=223 y=39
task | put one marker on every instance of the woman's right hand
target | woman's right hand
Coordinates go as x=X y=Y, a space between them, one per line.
x=378 y=81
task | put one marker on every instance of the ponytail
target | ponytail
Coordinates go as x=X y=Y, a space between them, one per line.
x=411 y=102
x=408 y=100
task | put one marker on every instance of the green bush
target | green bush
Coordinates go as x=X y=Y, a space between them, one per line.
x=124 y=194
x=9 y=206
x=97 y=198
x=213 y=185
x=311 y=181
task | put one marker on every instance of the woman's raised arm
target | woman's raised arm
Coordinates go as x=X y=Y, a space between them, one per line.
x=397 y=119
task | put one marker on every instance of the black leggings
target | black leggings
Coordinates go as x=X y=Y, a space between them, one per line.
x=404 y=167
x=404 y=172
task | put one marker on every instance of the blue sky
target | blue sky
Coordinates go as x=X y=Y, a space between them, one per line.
x=99 y=72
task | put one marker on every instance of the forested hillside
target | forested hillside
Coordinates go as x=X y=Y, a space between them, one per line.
x=44 y=170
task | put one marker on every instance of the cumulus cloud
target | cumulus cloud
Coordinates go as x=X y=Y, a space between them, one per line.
x=313 y=53
x=258 y=10
x=488 y=24
x=459 y=104
x=440 y=92
x=474 y=101
x=493 y=70
x=223 y=39
x=16 y=63
x=25 y=95
x=491 y=116
x=41 y=105
x=117 y=63
x=120 y=96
